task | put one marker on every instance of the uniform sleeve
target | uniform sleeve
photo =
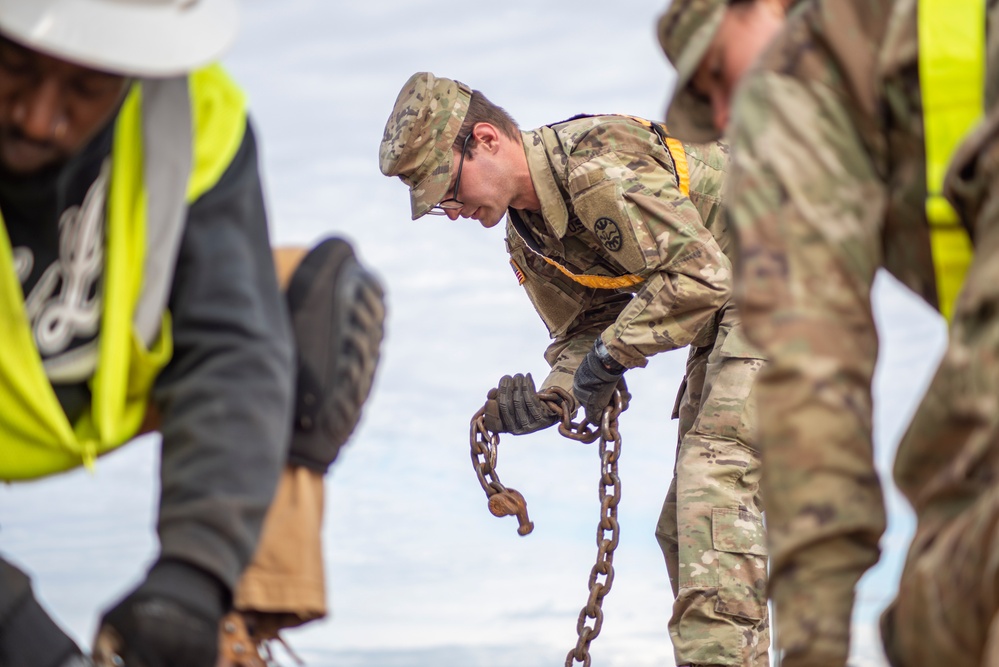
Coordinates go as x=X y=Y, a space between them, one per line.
x=807 y=203
x=633 y=206
x=225 y=397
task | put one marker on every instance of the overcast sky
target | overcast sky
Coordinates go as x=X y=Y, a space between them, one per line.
x=419 y=572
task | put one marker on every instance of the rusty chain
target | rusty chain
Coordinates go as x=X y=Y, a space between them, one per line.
x=602 y=574
x=504 y=501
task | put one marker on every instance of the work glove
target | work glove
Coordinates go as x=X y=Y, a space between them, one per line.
x=514 y=407
x=170 y=620
x=28 y=635
x=594 y=381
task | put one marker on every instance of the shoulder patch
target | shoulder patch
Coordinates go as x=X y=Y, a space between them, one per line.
x=517 y=272
x=608 y=233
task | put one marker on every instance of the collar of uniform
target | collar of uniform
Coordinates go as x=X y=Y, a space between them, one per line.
x=553 y=209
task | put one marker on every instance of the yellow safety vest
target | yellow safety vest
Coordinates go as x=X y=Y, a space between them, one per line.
x=36 y=438
x=952 y=80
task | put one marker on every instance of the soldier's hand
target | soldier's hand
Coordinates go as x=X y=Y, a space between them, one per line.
x=595 y=380
x=170 y=620
x=514 y=407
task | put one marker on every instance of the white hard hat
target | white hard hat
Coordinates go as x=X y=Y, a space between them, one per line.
x=128 y=37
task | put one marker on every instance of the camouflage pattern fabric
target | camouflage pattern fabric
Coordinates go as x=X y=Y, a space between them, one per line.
x=827 y=187
x=622 y=214
x=711 y=525
x=419 y=133
x=686 y=30
x=948 y=462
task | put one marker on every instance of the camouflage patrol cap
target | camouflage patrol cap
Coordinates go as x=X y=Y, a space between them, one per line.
x=686 y=30
x=416 y=144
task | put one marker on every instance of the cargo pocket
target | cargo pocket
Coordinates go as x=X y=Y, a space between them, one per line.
x=740 y=540
x=737 y=346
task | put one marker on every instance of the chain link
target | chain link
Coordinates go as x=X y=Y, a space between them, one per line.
x=485 y=451
x=505 y=501
x=608 y=535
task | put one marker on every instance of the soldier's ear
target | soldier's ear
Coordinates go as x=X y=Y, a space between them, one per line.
x=487 y=136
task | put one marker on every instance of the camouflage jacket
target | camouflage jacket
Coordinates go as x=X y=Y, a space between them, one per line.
x=828 y=186
x=611 y=207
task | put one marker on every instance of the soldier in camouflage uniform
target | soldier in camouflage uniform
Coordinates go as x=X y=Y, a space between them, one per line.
x=948 y=463
x=828 y=186
x=615 y=231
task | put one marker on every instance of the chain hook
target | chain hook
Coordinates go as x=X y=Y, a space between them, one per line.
x=505 y=501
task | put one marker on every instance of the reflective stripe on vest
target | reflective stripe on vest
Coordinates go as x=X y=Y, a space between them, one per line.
x=952 y=80
x=682 y=172
x=145 y=217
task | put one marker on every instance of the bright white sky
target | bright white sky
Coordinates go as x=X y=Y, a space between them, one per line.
x=419 y=571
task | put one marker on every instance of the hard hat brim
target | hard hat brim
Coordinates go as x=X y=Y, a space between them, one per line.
x=125 y=37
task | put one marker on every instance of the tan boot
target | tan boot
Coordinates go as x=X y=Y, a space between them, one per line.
x=236 y=647
x=245 y=639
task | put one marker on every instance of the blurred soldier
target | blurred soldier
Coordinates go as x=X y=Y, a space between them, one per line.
x=711 y=44
x=840 y=135
x=614 y=229
x=947 y=608
x=138 y=291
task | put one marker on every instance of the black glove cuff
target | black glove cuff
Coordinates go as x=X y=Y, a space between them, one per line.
x=193 y=588
x=609 y=363
x=30 y=638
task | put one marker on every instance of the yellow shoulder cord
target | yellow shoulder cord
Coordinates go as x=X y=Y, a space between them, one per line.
x=679 y=155
x=952 y=79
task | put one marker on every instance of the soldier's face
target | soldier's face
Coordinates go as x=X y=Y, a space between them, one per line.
x=49 y=108
x=488 y=185
x=744 y=33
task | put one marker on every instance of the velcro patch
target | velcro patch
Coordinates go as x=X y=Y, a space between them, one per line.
x=605 y=213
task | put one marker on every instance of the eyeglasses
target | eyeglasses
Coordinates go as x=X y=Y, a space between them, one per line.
x=452 y=203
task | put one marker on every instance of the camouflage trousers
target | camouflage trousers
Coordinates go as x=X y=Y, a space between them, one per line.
x=711 y=526
x=947 y=466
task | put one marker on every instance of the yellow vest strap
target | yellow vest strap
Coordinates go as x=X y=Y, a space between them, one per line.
x=676 y=151
x=679 y=155
x=599 y=282
x=952 y=80
x=36 y=434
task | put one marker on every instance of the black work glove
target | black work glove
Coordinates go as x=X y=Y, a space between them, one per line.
x=594 y=382
x=170 y=620
x=28 y=636
x=514 y=407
